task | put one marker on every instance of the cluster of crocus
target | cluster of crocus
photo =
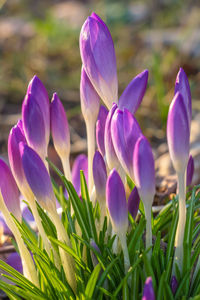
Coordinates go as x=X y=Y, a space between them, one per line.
x=123 y=152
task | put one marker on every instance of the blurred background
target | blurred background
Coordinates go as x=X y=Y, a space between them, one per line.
x=42 y=37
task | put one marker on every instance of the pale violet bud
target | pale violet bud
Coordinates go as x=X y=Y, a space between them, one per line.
x=80 y=163
x=100 y=129
x=133 y=202
x=99 y=174
x=190 y=170
x=98 y=58
x=148 y=291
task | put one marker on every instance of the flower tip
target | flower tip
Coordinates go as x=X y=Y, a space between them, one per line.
x=148 y=291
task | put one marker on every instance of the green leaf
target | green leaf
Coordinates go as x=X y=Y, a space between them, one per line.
x=92 y=282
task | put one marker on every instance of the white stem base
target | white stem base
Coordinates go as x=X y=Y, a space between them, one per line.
x=66 y=167
x=90 y=128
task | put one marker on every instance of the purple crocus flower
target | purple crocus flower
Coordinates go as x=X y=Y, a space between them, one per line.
x=39 y=92
x=148 y=292
x=100 y=129
x=80 y=163
x=37 y=177
x=190 y=170
x=134 y=92
x=144 y=169
x=99 y=174
x=125 y=131
x=178 y=133
x=174 y=284
x=98 y=58
x=14 y=260
x=182 y=86
x=116 y=202
x=111 y=157
x=133 y=202
x=59 y=127
x=9 y=190
x=34 y=125
x=90 y=100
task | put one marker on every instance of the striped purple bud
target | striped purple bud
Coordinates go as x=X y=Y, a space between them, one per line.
x=133 y=202
x=134 y=92
x=98 y=58
x=99 y=174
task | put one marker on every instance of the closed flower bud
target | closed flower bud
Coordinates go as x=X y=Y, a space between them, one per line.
x=178 y=133
x=80 y=163
x=133 y=202
x=134 y=92
x=98 y=58
x=148 y=292
x=100 y=129
x=99 y=174
x=190 y=171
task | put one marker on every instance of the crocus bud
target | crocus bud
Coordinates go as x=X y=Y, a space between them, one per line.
x=190 y=170
x=93 y=255
x=182 y=86
x=125 y=132
x=39 y=92
x=89 y=98
x=100 y=129
x=144 y=170
x=99 y=174
x=98 y=58
x=14 y=260
x=111 y=157
x=37 y=177
x=34 y=126
x=174 y=284
x=133 y=202
x=116 y=203
x=59 y=127
x=9 y=190
x=148 y=292
x=80 y=163
x=178 y=133
x=134 y=92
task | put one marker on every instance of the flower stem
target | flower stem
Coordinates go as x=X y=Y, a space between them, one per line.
x=147 y=209
x=90 y=128
x=66 y=167
x=178 y=256
x=27 y=262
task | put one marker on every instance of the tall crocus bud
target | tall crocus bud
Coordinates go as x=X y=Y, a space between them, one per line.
x=9 y=190
x=190 y=170
x=98 y=58
x=125 y=131
x=174 y=284
x=34 y=125
x=60 y=133
x=39 y=92
x=40 y=183
x=178 y=136
x=90 y=102
x=148 y=292
x=15 y=137
x=118 y=210
x=182 y=86
x=111 y=157
x=144 y=174
x=133 y=202
x=100 y=178
x=100 y=129
x=134 y=92
x=80 y=163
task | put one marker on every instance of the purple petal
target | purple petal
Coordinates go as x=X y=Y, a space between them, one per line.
x=178 y=133
x=6 y=229
x=99 y=174
x=27 y=215
x=93 y=255
x=134 y=92
x=148 y=292
x=98 y=58
x=100 y=129
x=33 y=124
x=9 y=190
x=59 y=127
x=90 y=100
x=39 y=92
x=174 y=284
x=190 y=170
x=116 y=202
x=14 y=260
x=37 y=177
x=133 y=202
x=111 y=157
x=182 y=86
x=80 y=163
x=144 y=170
x=15 y=137
x=125 y=132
